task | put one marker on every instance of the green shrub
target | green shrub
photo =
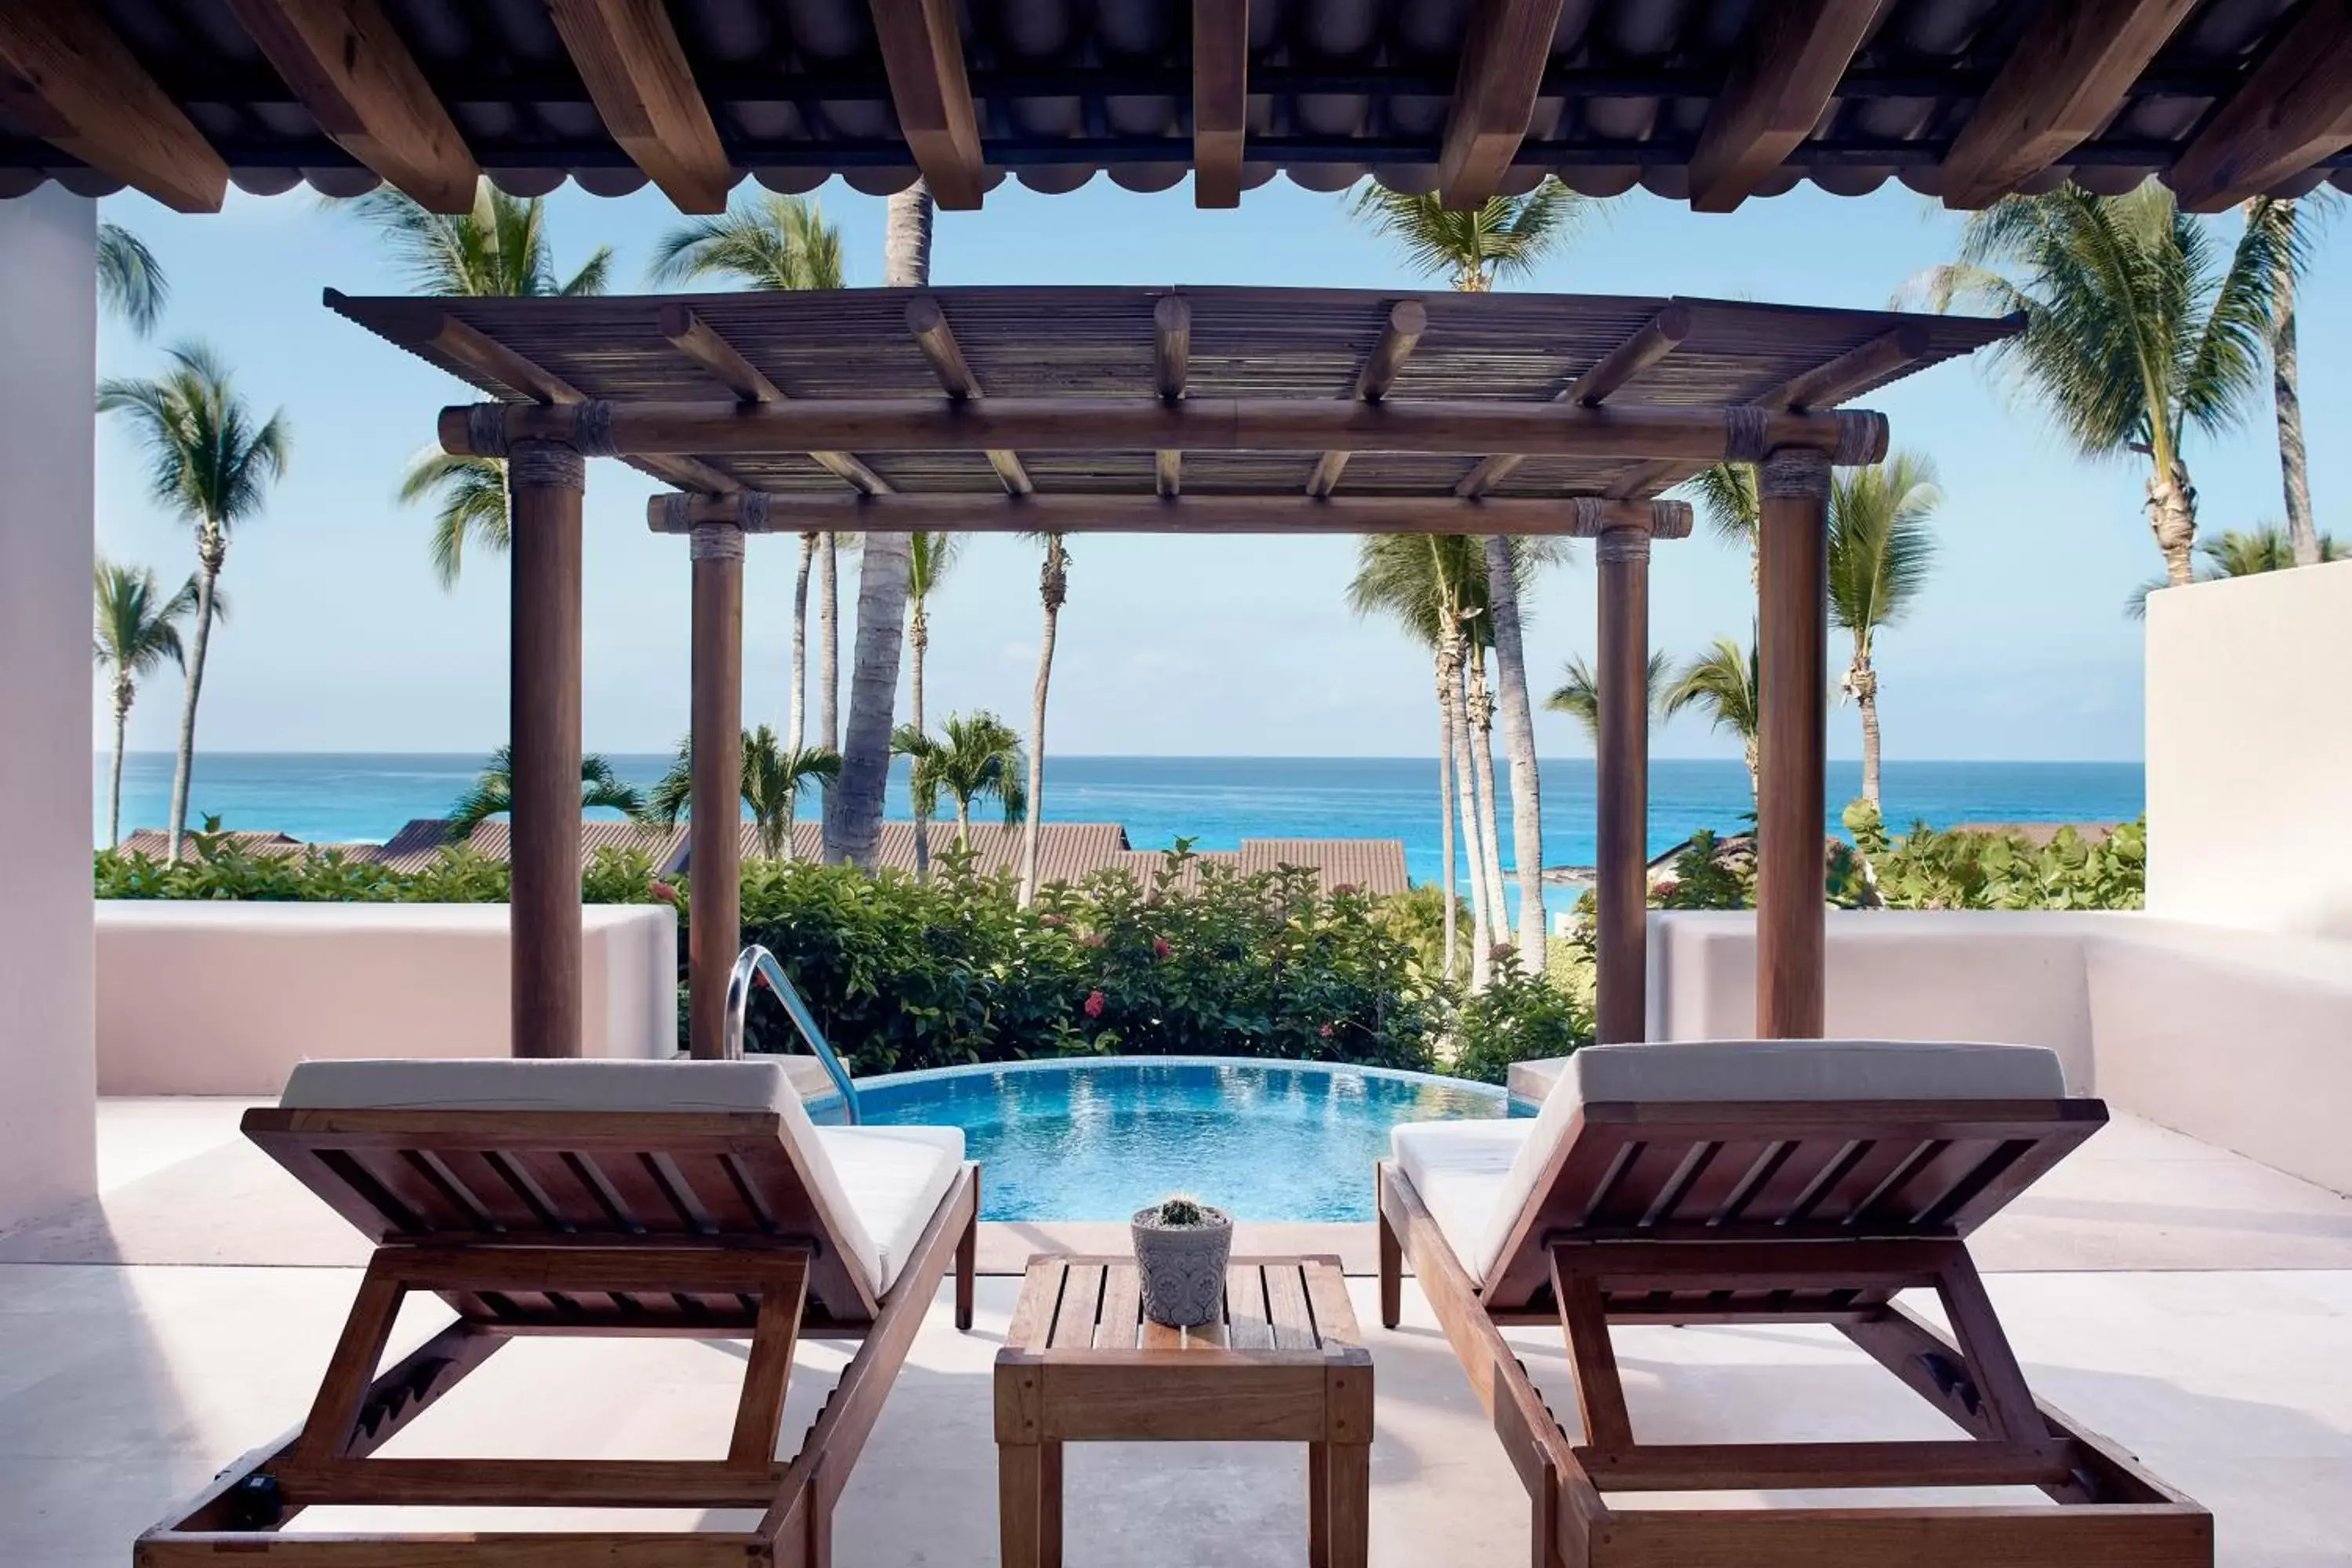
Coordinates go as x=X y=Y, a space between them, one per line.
x=1968 y=870
x=1520 y=1017
x=216 y=866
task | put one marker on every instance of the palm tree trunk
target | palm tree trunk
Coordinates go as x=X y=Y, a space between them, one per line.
x=123 y=692
x=796 y=712
x=1481 y=717
x=1482 y=941
x=828 y=675
x=1519 y=746
x=1053 y=589
x=919 y=641
x=2172 y=516
x=212 y=548
x=2287 y=393
x=1863 y=681
x=1445 y=818
x=1749 y=754
x=963 y=822
x=852 y=808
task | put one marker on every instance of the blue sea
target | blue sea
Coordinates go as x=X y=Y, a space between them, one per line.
x=1215 y=801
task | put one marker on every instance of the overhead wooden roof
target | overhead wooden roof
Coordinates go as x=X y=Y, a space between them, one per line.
x=961 y=357
x=1707 y=100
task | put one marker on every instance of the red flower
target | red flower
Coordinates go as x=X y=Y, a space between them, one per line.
x=1095 y=1001
x=1053 y=920
x=1160 y=948
x=1325 y=1031
x=1090 y=939
x=1340 y=887
x=661 y=891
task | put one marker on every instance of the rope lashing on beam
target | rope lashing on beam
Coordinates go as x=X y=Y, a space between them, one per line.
x=546 y=463
x=486 y=429
x=714 y=541
x=1794 y=471
x=1862 y=438
x=1622 y=544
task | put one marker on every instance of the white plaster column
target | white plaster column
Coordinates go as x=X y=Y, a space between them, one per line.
x=49 y=366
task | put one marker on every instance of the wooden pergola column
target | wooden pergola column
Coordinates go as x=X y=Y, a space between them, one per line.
x=545 y=481
x=1621 y=884
x=1793 y=672
x=716 y=814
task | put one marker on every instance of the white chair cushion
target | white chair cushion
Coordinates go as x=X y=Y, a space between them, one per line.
x=1689 y=1071
x=1461 y=1169
x=870 y=1223
x=896 y=1178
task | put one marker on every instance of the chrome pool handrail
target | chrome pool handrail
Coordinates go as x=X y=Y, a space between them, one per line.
x=757 y=961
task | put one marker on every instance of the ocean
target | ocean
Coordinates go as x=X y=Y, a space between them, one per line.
x=1216 y=801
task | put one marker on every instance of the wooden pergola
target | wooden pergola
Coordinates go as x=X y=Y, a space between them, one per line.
x=1209 y=411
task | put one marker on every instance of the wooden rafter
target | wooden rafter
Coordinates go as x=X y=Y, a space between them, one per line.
x=358 y=79
x=1197 y=424
x=1220 y=100
x=628 y=56
x=922 y=54
x=68 y=78
x=1504 y=52
x=699 y=341
x=1408 y=319
x=2064 y=82
x=928 y=323
x=1785 y=74
x=2294 y=110
x=1172 y=354
x=1659 y=336
x=1124 y=513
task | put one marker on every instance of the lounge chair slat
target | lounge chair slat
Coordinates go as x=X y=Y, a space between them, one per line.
x=575 y=1206
x=1764 y=1467
x=1886 y=1159
x=1718 y=1181
x=494 y=1187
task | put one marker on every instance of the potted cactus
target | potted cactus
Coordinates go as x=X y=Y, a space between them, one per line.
x=1181 y=1246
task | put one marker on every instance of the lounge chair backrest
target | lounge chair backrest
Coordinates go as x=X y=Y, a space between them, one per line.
x=1729 y=1139
x=568 y=1151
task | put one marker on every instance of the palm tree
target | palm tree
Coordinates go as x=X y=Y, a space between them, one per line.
x=928 y=558
x=1053 y=591
x=853 y=813
x=137 y=630
x=1725 y=496
x=2294 y=222
x=2137 y=330
x=492 y=793
x=773 y=777
x=979 y=756
x=497 y=249
x=1506 y=237
x=2269 y=547
x=1577 y=695
x=1880 y=550
x=211 y=463
x=1722 y=684
x=762 y=240
x=131 y=282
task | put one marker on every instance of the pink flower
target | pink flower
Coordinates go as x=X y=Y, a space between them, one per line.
x=661 y=891
x=1090 y=939
x=1056 y=920
x=1325 y=1031
x=1095 y=1002
x=1160 y=948
x=1344 y=888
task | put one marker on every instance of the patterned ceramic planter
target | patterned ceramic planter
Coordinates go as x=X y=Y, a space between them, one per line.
x=1182 y=1266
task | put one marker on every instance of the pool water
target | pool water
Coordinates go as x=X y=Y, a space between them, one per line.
x=1098 y=1138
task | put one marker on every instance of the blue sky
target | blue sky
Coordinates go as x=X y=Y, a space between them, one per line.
x=342 y=641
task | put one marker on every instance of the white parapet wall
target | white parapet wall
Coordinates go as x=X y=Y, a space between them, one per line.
x=225 y=998
x=2239 y=1038
x=2249 y=751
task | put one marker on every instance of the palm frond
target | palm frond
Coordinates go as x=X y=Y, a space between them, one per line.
x=1721 y=683
x=1725 y=496
x=207 y=457
x=131 y=282
x=469 y=503
x=137 y=629
x=1579 y=693
x=1880 y=547
x=1508 y=237
x=764 y=240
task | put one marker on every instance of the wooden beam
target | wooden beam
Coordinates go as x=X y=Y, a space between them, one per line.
x=716 y=749
x=1197 y=424
x=1172 y=355
x=1505 y=49
x=701 y=343
x=1793 y=676
x=2064 y=80
x=1408 y=319
x=628 y=56
x=65 y=78
x=1621 y=782
x=922 y=56
x=2294 y=110
x=1127 y=512
x=355 y=76
x=544 y=483
x=1220 y=100
x=1830 y=384
x=1784 y=75
x=1657 y=338
x=938 y=341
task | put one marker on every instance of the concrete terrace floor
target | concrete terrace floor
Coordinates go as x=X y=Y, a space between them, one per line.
x=2193 y=1306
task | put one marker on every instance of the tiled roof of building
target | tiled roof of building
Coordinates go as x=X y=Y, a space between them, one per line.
x=420 y=843
x=155 y=843
x=1368 y=865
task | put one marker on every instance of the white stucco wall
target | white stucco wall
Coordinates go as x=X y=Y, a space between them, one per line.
x=2249 y=751
x=48 y=337
x=225 y=998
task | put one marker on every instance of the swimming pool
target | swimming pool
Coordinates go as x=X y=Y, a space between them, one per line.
x=1098 y=1137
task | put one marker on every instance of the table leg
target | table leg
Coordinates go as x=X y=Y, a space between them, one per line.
x=1049 y=1493
x=1020 y=1498
x=1319 y=1505
x=1348 y=1486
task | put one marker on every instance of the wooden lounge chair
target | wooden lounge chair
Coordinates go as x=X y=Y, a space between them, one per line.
x=596 y=1198
x=1748 y=1182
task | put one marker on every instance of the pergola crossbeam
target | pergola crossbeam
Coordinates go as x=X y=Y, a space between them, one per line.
x=68 y=79
x=1220 y=100
x=1408 y=319
x=1658 y=337
x=1171 y=360
x=928 y=324
x=699 y=341
x=1126 y=513
x=628 y=56
x=2294 y=110
x=1504 y=52
x=922 y=56
x=1784 y=75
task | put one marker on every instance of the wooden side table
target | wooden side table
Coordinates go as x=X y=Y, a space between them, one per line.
x=1283 y=1365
